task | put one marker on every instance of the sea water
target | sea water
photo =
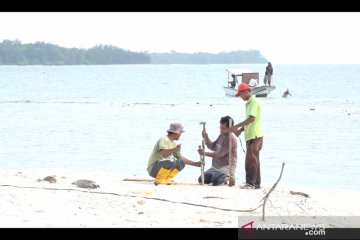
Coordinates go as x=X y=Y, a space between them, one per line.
x=108 y=118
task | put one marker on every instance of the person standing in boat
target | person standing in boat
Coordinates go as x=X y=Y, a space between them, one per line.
x=218 y=173
x=233 y=82
x=166 y=161
x=268 y=74
x=253 y=135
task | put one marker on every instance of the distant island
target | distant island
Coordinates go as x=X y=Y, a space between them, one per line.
x=233 y=57
x=13 y=52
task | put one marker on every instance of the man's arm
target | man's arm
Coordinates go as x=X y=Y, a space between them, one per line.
x=244 y=123
x=207 y=154
x=189 y=162
x=210 y=145
x=168 y=152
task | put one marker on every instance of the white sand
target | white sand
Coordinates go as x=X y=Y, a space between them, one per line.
x=29 y=207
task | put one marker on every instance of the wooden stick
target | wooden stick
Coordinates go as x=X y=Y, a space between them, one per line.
x=141 y=180
x=201 y=169
x=230 y=147
x=300 y=193
x=213 y=197
x=203 y=164
x=272 y=189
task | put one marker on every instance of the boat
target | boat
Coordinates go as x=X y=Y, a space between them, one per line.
x=245 y=75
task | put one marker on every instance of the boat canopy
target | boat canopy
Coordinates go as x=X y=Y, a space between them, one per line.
x=238 y=72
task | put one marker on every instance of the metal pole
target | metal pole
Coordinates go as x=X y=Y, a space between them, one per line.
x=230 y=146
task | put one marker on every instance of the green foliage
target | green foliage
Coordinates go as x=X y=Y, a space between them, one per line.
x=16 y=53
x=233 y=57
x=41 y=53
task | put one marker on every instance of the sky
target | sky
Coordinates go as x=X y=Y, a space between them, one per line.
x=283 y=38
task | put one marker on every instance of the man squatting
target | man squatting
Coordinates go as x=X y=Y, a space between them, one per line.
x=166 y=161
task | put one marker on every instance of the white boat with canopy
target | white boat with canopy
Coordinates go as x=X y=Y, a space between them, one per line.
x=245 y=75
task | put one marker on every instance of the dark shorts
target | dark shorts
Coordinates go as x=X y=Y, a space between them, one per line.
x=167 y=164
x=216 y=178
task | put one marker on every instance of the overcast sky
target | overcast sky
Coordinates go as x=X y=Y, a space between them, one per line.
x=283 y=38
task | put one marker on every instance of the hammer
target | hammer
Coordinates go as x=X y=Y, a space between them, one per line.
x=203 y=123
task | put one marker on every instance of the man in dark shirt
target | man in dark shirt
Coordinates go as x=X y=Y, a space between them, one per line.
x=268 y=74
x=219 y=171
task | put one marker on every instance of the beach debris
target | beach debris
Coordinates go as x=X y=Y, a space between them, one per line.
x=312 y=109
x=141 y=202
x=213 y=197
x=141 y=180
x=272 y=189
x=19 y=174
x=39 y=180
x=300 y=193
x=140 y=212
x=64 y=177
x=139 y=192
x=83 y=183
x=50 y=179
x=205 y=220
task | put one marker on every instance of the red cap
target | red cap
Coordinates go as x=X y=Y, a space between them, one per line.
x=241 y=87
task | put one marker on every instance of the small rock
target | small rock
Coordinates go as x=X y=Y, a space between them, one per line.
x=50 y=179
x=39 y=180
x=141 y=213
x=64 y=177
x=86 y=184
x=312 y=109
x=141 y=202
x=205 y=220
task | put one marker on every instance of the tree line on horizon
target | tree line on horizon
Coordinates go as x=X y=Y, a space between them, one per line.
x=233 y=57
x=13 y=52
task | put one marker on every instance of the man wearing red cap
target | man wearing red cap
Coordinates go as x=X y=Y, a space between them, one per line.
x=253 y=135
x=165 y=160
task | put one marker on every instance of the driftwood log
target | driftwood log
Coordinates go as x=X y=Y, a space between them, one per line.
x=272 y=189
x=213 y=197
x=300 y=193
x=141 y=180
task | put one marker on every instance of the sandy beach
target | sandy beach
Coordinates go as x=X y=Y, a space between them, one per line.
x=30 y=202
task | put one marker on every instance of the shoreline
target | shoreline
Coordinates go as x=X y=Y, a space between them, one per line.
x=63 y=205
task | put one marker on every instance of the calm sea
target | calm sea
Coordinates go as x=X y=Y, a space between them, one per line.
x=108 y=118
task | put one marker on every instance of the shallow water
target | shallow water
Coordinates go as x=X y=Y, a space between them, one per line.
x=108 y=118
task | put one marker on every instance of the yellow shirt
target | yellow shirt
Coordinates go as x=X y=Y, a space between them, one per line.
x=163 y=143
x=253 y=108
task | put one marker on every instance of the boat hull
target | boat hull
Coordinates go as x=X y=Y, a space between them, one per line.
x=261 y=91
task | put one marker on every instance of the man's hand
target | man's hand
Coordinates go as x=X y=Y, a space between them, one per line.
x=197 y=164
x=238 y=132
x=178 y=147
x=200 y=151
x=233 y=129
x=205 y=135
